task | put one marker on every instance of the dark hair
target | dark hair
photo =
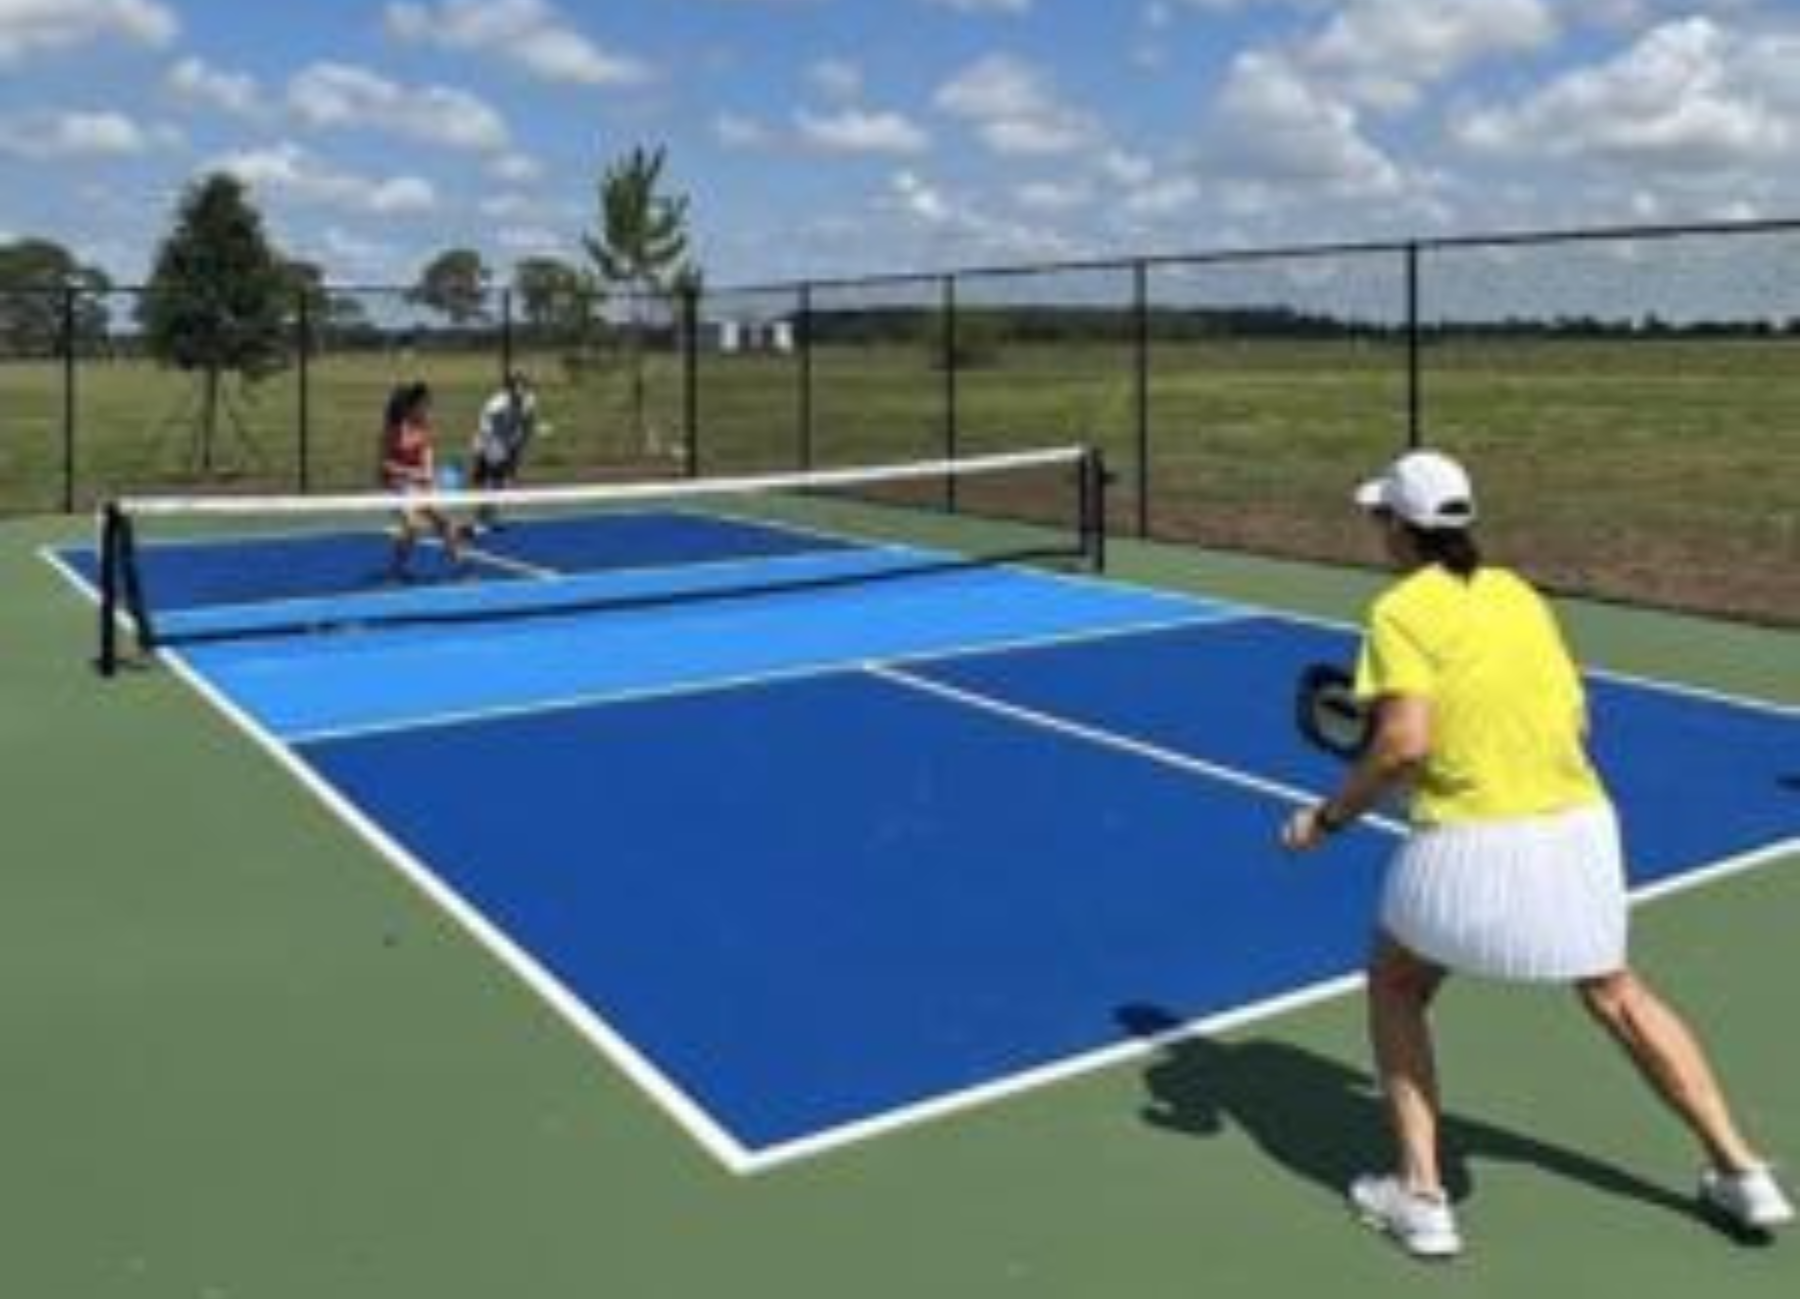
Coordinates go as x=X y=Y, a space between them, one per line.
x=1453 y=549
x=403 y=402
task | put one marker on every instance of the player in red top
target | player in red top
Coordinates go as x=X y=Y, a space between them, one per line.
x=408 y=464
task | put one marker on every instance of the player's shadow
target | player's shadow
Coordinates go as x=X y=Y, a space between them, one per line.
x=1324 y=1122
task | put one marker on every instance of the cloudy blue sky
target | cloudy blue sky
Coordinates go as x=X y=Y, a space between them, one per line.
x=830 y=136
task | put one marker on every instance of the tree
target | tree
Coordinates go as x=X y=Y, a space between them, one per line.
x=454 y=284
x=337 y=318
x=35 y=276
x=559 y=305
x=641 y=247
x=217 y=302
x=547 y=290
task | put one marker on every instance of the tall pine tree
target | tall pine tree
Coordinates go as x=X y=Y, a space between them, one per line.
x=641 y=248
x=218 y=299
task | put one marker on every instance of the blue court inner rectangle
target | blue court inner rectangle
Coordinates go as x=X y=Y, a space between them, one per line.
x=814 y=903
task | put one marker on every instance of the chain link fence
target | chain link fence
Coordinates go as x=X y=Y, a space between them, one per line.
x=1629 y=399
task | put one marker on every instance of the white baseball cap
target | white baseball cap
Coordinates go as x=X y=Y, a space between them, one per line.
x=1424 y=488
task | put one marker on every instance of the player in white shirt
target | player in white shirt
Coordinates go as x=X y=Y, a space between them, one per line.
x=507 y=423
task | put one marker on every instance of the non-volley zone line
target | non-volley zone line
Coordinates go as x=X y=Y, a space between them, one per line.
x=727 y=682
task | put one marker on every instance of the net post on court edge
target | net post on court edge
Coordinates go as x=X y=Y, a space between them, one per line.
x=120 y=589
x=1094 y=481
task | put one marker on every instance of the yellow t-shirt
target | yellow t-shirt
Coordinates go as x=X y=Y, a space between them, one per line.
x=1508 y=713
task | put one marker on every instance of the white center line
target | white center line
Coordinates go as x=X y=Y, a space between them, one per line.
x=1113 y=740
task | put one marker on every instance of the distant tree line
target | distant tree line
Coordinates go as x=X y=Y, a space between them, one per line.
x=1069 y=324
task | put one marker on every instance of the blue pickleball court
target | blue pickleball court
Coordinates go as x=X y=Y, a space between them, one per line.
x=814 y=854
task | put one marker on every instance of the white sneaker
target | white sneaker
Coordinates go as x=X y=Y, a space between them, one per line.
x=1421 y=1224
x=1752 y=1198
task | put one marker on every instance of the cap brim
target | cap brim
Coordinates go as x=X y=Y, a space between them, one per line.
x=1372 y=495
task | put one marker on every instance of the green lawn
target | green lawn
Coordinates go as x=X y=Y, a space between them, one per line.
x=1656 y=471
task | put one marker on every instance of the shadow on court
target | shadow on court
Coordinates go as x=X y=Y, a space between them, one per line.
x=1324 y=1121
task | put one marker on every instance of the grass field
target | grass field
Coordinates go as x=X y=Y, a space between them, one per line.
x=245 y=1058
x=1656 y=471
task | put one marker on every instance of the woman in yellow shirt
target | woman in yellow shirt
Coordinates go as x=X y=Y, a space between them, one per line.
x=1513 y=868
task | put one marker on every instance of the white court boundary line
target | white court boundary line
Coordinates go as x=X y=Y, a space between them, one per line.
x=687 y=1112
x=1663 y=685
x=692 y=1117
x=1080 y=1065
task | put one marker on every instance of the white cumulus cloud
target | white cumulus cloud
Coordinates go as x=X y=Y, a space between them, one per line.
x=1015 y=108
x=47 y=136
x=291 y=171
x=1688 y=96
x=919 y=198
x=30 y=27
x=1274 y=124
x=197 y=82
x=342 y=95
x=853 y=130
x=531 y=34
x=1386 y=53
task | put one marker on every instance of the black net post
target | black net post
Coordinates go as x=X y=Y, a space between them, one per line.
x=690 y=378
x=948 y=360
x=303 y=396
x=121 y=590
x=1092 y=493
x=804 y=354
x=113 y=529
x=1140 y=393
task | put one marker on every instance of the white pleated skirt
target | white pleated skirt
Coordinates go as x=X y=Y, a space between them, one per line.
x=1538 y=898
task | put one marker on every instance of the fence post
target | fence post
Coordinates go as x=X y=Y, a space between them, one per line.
x=690 y=377
x=303 y=410
x=1413 y=401
x=68 y=411
x=950 y=413
x=803 y=345
x=506 y=333
x=1140 y=303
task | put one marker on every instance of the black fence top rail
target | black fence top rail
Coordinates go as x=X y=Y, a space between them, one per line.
x=1090 y=265
x=1290 y=252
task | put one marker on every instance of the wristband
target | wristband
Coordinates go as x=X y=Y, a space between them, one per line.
x=1326 y=821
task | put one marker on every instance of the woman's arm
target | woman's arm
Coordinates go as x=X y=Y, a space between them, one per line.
x=1401 y=743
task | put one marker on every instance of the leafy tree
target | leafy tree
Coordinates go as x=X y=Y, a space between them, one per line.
x=641 y=248
x=550 y=293
x=337 y=318
x=217 y=302
x=560 y=305
x=455 y=284
x=34 y=276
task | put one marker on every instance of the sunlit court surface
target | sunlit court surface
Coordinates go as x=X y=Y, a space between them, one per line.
x=899 y=649
x=857 y=842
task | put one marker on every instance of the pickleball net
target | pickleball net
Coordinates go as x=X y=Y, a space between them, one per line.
x=176 y=570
